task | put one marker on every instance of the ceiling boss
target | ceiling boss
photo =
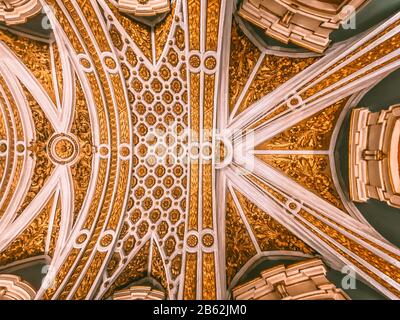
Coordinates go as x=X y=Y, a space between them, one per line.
x=157 y=149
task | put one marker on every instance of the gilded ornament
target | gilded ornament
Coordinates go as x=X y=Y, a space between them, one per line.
x=311 y=171
x=63 y=148
x=210 y=63
x=239 y=247
x=192 y=241
x=208 y=240
x=272 y=73
x=313 y=133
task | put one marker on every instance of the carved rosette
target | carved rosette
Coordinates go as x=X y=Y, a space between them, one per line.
x=18 y=11
x=63 y=148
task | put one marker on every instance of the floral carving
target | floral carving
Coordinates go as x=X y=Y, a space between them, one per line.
x=311 y=171
x=313 y=133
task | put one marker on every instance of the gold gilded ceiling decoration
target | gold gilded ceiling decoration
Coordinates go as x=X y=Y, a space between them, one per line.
x=180 y=150
x=311 y=170
x=261 y=73
x=313 y=133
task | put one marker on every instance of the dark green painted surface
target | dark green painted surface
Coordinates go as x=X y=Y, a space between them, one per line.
x=38 y=25
x=32 y=274
x=361 y=290
x=375 y=12
x=385 y=219
x=372 y=14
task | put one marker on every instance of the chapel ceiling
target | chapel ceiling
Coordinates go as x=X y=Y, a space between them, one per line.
x=179 y=148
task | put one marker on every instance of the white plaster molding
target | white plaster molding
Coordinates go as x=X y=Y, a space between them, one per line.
x=307 y=25
x=139 y=293
x=18 y=11
x=144 y=7
x=308 y=199
x=374 y=155
x=271 y=255
x=305 y=280
x=309 y=77
x=13 y=288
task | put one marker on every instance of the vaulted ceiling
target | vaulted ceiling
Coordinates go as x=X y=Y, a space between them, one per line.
x=182 y=147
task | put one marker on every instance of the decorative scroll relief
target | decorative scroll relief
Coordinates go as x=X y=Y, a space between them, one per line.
x=374 y=155
x=313 y=133
x=337 y=75
x=270 y=235
x=18 y=11
x=37 y=216
x=144 y=7
x=23 y=232
x=32 y=241
x=250 y=231
x=299 y=22
x=240 y=69
x=14 y=288
x=348 y=241
x=239 y=246
x=305 y=280
x=273 y=71
x=35 y=55
x=311 y=171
